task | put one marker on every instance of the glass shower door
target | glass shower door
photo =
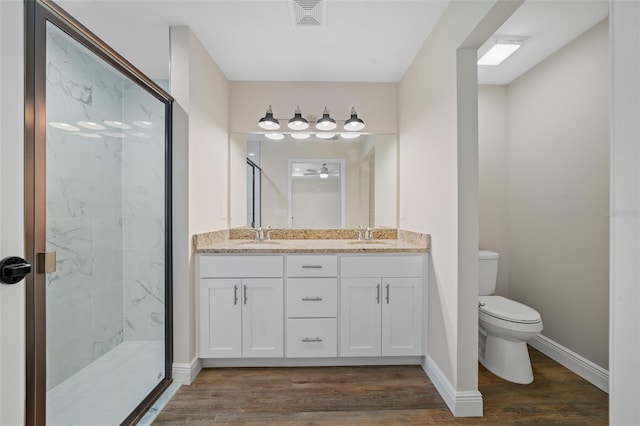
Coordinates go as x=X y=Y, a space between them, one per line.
x=106 y=221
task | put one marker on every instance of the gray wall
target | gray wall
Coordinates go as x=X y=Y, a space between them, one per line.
x=557 y=191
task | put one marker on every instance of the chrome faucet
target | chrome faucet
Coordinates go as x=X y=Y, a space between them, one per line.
x=368 y=234
x=365 y=234
x=260 y=235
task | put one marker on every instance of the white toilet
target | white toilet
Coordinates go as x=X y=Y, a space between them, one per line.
x=505 y=327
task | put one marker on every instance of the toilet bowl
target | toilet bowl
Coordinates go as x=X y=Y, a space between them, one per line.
x=504 y=327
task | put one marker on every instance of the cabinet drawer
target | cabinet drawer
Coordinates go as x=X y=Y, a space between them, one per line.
x=312 y=266
x=381 y=266
x=312 y=338
x=312 y=297
x=222 y=266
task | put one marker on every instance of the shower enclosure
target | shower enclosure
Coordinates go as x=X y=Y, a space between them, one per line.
x=98 y=229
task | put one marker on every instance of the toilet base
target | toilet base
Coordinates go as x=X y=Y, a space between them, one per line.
x=507 y=359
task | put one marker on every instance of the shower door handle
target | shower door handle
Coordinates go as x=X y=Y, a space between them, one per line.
x=13 y=269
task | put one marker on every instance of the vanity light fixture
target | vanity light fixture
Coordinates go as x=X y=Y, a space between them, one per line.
x=268 y=122
x=502 y=48
x=354 y=123
x=326 y=122
x=298 y=122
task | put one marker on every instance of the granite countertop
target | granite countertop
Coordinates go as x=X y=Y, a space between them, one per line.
x=241 y=240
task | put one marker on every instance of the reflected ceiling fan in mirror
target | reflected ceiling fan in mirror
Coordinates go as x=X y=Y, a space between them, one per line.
x=323 y=172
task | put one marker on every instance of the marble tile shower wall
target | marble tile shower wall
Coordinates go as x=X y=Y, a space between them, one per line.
x=105 y=210
x=143 y=217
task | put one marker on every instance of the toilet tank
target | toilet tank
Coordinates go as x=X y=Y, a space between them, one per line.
x=487 y=272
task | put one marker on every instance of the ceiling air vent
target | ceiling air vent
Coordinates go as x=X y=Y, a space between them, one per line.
x=308 y=13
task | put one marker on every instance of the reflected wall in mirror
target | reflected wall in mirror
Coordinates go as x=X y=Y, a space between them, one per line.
x=368 y=181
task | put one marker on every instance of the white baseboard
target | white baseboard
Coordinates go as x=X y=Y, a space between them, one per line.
x=309 y=362
x=584 y=368
x=185 y=373
x=461 y=403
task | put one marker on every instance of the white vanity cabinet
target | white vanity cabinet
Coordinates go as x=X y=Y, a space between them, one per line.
x=312 y=306
x=381 y=305
x=240 y=306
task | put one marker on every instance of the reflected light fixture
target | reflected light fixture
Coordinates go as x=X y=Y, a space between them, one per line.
x=350 y=135
x=502 y=48
x=326 y=122
x=354 y=123
x=300 y=135
x=274 y=136
x=298 y=122
x=325 y=135
x=268 y=122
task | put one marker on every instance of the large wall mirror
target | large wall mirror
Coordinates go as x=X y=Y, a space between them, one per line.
x=313 y=183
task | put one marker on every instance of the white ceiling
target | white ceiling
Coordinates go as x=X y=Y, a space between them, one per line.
x=372 y=40
x=549 y=26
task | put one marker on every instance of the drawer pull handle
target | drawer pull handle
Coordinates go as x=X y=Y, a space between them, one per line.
x=311 y=339
x=312 y=299
x=311 y=266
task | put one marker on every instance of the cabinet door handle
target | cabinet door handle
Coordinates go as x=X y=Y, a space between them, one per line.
x=387 y=294
x=312 y=299
x=245 y=295
x=235 y=294
x=311 y=339
x=311 y=266
x=378 y=294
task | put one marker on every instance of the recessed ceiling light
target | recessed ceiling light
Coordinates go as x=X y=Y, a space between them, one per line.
x=117 y=124
x=503 y=48
x=251 y=154
x=63 y=126
x=90 y=125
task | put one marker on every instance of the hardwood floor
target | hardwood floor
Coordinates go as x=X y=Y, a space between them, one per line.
x=378 y=396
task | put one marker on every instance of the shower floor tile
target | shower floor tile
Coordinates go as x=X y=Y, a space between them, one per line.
x=106 y=391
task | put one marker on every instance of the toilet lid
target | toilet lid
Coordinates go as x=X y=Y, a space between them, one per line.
x=508 y=310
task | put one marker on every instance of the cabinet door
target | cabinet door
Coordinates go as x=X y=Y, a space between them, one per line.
x=262 y=318
x=360 y=317
x=220 y=319
x=401 y=316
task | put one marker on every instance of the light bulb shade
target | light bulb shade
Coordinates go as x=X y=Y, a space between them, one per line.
x=274 y=136
x=268 y=122
x=326 y=122
x=298 y=122
x=354 y=123
x=324 y=175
